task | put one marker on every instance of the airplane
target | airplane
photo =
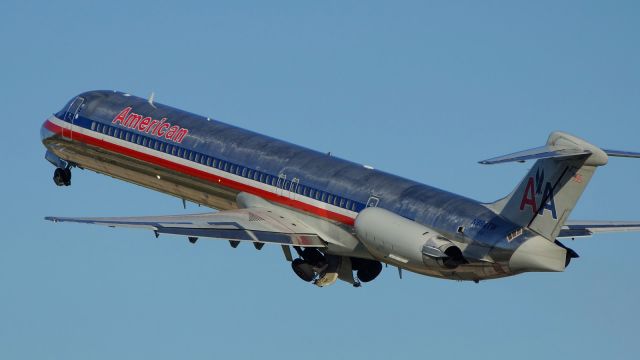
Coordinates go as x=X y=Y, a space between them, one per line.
x=339 y=217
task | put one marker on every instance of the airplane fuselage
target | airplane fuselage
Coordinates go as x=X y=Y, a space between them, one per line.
x=209 y=162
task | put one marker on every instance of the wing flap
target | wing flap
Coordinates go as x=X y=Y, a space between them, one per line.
x=251 y=224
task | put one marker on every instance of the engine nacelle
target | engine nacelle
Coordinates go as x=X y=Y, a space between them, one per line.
x=390 y=236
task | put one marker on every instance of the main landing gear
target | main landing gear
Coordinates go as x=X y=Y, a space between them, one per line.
x=323 y=270
x=62 y=176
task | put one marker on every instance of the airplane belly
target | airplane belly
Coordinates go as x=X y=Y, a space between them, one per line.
x=143 y=173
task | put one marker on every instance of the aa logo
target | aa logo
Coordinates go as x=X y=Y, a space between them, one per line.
x=537 y=197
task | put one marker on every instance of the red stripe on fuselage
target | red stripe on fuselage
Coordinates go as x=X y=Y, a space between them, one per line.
x=218 y=180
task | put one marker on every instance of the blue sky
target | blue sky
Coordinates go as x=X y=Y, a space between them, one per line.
x=423 y=89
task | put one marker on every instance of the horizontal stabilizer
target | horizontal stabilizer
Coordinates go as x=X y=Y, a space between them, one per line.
x=542 y=152
x=620 y=153
x=588 y=228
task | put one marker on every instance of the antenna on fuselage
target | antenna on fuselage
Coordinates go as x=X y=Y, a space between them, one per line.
x=151 y=98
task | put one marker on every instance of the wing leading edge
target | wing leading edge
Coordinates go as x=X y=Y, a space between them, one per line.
x=252 y=224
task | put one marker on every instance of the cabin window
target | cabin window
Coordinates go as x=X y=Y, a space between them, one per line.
x=324 y=196
x=209 y=161
x=191 y=155
x=196 y=157
x=244 y=172
x=93 y=125
x=329 y=199
x=232 y=168
x=227 y=166
x=261 y=177
x=342 y=202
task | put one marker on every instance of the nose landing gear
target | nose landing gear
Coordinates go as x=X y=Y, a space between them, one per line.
x=62 y=177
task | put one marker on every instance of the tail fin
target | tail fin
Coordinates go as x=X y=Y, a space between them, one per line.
x=545 y=197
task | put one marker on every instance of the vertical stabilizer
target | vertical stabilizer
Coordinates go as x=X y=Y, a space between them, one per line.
x=543 y=200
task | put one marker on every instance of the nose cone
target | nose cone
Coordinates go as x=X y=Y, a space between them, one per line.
x=538 y=254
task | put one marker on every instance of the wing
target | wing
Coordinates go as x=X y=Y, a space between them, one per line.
x=588 y=228
x=257 y=225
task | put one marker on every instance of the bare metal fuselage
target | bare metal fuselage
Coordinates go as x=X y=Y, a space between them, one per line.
x=485 y=238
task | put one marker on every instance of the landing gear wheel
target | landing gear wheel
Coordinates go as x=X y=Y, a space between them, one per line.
x=303 y=269
x=313 y=256
x=67 y=174
x=370 y=272
x=62 y=177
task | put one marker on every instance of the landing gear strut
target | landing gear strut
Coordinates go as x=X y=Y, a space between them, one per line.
x=62 y=177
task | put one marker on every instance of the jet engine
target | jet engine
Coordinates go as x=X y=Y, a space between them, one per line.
x=390 y=236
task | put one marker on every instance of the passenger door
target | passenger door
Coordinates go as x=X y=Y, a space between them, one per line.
x=293 y=188
x=282 y=179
